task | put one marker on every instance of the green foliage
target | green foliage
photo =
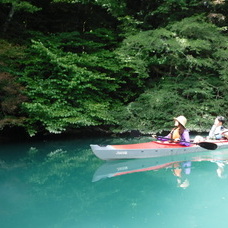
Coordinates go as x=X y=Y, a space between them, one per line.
x=11 y=92
x=172 y=9
x=155 y=109
x=10 y=95
x=21 y=5
x=75 y=79
x=187 y=63
x=115 y=7
x=185 y=46
x=57 y=91
x=10 y=53
x=72 y=81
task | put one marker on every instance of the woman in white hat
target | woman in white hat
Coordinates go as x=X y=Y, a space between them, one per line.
x=179 y=133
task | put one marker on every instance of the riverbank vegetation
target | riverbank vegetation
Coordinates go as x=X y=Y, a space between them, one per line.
x=116 y=65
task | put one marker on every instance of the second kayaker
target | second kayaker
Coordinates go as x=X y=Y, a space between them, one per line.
x=179 y=133
x=217 y=132
x=218 y=128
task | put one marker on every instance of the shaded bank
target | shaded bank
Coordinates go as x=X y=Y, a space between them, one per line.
x=18 y=134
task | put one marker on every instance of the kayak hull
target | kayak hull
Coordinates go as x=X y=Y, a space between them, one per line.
x=147 y=150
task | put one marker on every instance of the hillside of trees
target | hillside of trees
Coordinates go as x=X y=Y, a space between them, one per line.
x=112 y=65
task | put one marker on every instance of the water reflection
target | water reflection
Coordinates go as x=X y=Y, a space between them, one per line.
x=48 y=184
x=181 y=170
x=221 y=168
x=179 y=165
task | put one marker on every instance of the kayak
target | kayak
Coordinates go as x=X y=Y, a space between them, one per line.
x=122 y=167
x=152 y=149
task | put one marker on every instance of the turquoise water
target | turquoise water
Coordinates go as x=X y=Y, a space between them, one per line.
x=62 y=184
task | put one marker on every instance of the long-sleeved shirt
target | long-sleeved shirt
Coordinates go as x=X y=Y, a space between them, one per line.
x=216 y=131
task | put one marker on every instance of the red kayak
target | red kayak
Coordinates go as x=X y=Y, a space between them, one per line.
x=153 y=149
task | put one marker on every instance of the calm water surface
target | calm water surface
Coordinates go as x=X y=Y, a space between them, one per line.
x=61 y=184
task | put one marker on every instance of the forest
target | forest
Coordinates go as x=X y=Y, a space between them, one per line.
x=112 y=66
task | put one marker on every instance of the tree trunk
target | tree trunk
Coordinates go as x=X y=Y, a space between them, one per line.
x=9 y=18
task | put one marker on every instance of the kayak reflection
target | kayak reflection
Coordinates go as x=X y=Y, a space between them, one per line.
x=180 y=165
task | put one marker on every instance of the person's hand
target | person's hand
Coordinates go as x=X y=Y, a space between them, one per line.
x=225 y=134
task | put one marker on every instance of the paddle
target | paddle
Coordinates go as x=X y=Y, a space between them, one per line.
x=205 y=145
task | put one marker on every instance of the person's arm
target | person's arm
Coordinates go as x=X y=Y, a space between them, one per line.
x=212 y=131
x=186 y=138
x=165 y=138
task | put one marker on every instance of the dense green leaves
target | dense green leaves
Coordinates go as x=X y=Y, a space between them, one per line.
x=73 y=83
x=186 y=56
x=21 y=5
x=77 y=71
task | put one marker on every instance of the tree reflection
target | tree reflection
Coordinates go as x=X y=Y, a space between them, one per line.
x=50 y=185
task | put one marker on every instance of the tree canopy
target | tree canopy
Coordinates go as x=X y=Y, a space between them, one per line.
x=84 y=63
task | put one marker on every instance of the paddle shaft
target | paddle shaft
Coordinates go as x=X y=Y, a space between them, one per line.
x=205 y=145
x=161 y=137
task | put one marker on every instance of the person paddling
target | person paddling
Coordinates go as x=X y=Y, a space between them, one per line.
x=217 y=129
x=179 y=133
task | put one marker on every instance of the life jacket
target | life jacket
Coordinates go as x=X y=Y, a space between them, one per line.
x=175 y=134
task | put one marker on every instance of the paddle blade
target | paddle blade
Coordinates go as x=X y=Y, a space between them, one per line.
x=208 y=145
